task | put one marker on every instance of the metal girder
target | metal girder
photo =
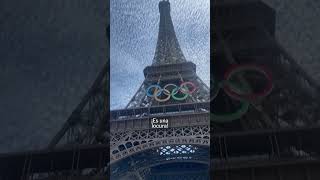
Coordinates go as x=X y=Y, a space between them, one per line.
x=76 y=114
x=127 y=143
x=70 y=160
x=303 y=170
x=168 y=50
x=254 y=155
x=293 y=88
x=152 y=158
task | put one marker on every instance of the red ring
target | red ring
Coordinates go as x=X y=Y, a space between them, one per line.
x=190 y=83
x=252 y=96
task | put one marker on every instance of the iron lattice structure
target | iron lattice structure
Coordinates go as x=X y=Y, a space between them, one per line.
x=273 y=140
x=276 y=137
x=168 y=50
x=185 y=143
x=242 y=39
x=136 y=150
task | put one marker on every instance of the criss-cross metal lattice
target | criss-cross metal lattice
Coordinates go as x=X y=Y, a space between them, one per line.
x=168 y=50
x=134 y=142
x=294 y=99
x=181 y=151
x=126 y=143
x=150 y=160
x=176 y=149
x=132 y=139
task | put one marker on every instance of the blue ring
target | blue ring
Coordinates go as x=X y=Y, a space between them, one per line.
x=154 y=86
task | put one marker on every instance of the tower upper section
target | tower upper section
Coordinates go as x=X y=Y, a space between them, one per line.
x=168 y=50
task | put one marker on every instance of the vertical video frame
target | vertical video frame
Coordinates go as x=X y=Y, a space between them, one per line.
x=160 y=95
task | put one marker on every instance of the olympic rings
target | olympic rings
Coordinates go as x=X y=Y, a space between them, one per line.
x=242 y=94
x=238 y=68
x=234 y=86
x=153 y=86
x=178 y=93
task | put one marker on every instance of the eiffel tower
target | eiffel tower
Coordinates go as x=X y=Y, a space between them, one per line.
x=270 y=134
x=180 y=151
x=276 y=137
x=80 y=149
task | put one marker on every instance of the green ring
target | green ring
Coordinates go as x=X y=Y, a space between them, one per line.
x=175 y=91
x=231 y=116
x=227 y=117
